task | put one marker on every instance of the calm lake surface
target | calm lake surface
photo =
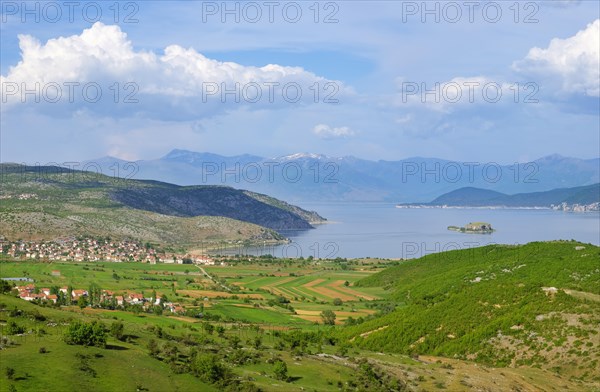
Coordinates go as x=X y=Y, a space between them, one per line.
x=381 y=230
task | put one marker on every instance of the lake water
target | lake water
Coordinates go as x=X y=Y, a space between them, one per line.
x=381 y=230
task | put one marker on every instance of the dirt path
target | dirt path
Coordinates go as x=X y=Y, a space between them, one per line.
x=212 y=279
x=365 y=334
x=582 y=295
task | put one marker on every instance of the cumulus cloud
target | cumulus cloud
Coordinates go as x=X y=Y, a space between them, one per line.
x=325 y=131
x=462 y=92
x=178 y=83
x=572 y=64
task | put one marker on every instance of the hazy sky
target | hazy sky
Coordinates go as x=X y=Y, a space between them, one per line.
x=477 y=80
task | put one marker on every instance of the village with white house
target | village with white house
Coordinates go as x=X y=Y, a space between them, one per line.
x=93 y=250
x=67 y=295
x=96 y=249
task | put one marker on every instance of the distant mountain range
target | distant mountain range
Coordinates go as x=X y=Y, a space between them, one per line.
x=315 y=177
x=476 y=197
x=45 y=202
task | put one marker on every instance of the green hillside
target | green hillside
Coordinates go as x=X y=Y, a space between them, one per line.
x=497 y=333
x=535 y=304
x=45 y=202
x=470 y=196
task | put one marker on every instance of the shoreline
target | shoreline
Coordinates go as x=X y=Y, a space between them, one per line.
x=417 y=206
x=424 y=206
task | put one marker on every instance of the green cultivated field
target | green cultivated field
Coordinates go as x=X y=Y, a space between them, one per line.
x=459 y=321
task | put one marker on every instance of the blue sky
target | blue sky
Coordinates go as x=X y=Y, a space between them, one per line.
x=361 y=79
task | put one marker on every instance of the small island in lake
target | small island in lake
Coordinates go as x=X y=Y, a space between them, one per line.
x=474 y=228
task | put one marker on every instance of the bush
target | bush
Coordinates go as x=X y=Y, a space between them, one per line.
x=209 y=368
x=280 y=370
x=153 y=348
x=337 y=302
x=5 y=287
x=116 y=330
x=328 y=317
x=13 y=328
x=86 y=334
x=208 y=328
x=257 y=342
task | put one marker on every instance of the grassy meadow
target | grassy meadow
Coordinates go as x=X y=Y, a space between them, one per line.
x=258 y=313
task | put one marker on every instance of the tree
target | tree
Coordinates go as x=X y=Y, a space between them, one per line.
x=153 y=348
x=116 y=330
x=157 y=310
x=86 y=334
x=235 y=342
x=257 y=342
x=94 y=294
x=208 y=328
x=82 y=302
x=170 y=352
x=328 y=317
x=13 y=328
x=337 y=301
x=208 y=368
x=280 y=370
x=61 y=299
x=5 y=287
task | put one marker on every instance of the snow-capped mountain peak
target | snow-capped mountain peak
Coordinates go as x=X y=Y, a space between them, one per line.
x=302 y=155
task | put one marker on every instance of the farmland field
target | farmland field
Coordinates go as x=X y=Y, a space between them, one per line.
x=234 y=289
x=319 y=317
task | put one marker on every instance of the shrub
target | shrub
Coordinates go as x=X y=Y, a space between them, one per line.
x=116 y=330
x=209 y=368
x=280 y=370
x=86 y=334
x=13 y=328
x=328 y=317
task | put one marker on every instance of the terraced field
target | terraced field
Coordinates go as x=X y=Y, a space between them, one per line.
x=324 y=287
x=254 y=286
x=310 y=289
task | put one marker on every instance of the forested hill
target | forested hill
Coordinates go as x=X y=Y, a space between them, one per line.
x=502 y=305
x=476 y=197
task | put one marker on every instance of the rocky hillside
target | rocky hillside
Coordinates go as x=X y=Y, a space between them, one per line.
x=41 y=202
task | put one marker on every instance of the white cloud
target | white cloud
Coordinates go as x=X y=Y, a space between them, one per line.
x=573 y=64
x=179 y=83
x=325 y=131
x=460 y=93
